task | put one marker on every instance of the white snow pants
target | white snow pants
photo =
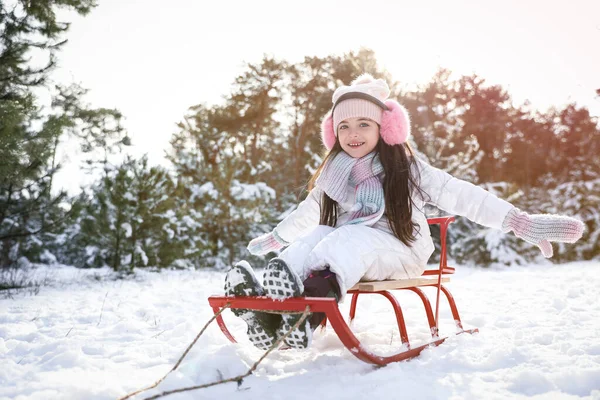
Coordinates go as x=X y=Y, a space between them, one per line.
x=353 y=253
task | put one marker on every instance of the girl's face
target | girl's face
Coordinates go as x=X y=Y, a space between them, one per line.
x=358 y=136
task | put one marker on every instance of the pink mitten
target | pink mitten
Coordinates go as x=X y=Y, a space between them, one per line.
x=541 y=229
x=266 y=243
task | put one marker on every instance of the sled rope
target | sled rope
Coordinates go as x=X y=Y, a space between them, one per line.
x=180 y=358
x=237 y=379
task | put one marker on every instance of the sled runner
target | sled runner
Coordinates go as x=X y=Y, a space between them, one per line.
x=432 y=278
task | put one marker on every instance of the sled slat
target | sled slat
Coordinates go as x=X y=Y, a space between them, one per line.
x=397 y=284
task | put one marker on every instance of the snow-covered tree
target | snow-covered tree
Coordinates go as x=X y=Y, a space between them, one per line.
x=30 y=212
x=125 y=222
x=222 y=199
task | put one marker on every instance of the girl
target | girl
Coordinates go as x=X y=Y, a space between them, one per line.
x=363 y=218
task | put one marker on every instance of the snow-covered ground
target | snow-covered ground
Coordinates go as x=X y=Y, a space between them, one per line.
x=90 y=337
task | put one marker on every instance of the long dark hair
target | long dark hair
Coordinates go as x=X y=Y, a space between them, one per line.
x=398 y=184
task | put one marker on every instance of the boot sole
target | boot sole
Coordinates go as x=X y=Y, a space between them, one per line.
x=280 y=283
x=241 y=281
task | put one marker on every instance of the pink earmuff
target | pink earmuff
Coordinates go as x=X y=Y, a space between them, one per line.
x=395 y=124
x=394 y=128
x=327 y=131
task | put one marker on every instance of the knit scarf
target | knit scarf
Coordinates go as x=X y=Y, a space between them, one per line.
x=362 y=173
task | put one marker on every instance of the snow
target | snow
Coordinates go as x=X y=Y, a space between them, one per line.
x=142 y=254
x=91 y=336
x=252 y=191
x=199 y=191
x=126 y=226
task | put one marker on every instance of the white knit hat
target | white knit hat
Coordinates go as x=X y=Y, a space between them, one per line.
x=346 y=105
x=368 y=98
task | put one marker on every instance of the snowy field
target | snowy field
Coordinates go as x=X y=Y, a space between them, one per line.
x=88 y=336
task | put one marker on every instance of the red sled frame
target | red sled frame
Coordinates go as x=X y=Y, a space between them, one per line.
x=330 y=308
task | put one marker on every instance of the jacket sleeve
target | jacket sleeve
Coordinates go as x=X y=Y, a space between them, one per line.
x=306 y=215
x=462 y=198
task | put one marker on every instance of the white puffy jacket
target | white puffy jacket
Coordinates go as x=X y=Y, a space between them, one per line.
x=356 y=252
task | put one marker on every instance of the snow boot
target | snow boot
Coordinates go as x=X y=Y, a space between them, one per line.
x=262 y=327
x=280 y=283
x=321 y=284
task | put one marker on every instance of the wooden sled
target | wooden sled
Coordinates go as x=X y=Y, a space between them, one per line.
x=432 y=278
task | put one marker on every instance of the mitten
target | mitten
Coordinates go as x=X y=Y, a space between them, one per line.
x=541 y=229
x=266 y=243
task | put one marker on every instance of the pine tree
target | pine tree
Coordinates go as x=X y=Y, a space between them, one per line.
x=26 y=206
x=126 y=221
x=219 y=206
x=30 y=213
x=105 y=223
x=529 y=142
x=437 y=127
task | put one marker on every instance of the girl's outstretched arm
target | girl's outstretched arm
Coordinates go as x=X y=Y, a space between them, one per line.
x=463 y=198
x=306 y=215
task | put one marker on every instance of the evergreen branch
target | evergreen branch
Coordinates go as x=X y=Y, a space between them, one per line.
x=42 y=45
x=7 y=202
x=41 y=229
x=30 y=71
x=20 y=234
x=30 y=210
x=36 y=181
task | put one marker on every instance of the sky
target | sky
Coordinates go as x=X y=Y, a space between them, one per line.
x=152 y=60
